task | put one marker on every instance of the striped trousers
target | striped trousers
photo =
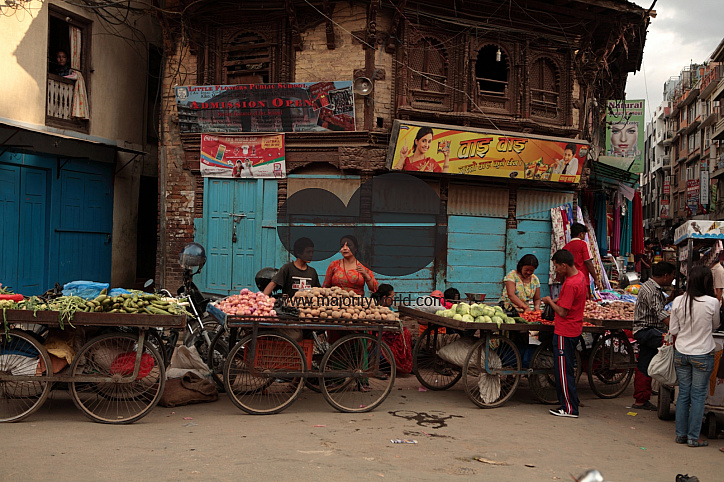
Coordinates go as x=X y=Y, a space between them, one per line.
x=565 y=372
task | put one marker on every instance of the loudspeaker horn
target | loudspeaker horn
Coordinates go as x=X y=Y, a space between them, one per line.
x=362 y=86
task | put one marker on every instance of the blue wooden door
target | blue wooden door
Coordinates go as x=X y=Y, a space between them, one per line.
x=33 y=241
x=85 y=227
x=23 y=228
x=232 y=262
x=9 y=224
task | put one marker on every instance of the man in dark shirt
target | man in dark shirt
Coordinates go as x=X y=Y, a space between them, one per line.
x=568 y=327
x=296 y=275
x=651 y=321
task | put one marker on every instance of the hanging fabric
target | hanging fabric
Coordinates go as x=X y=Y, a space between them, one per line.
x=626 y=230
x=599 y=220
x=616 y=237
x=637 y=235
x=80 y=97
x=558 y=240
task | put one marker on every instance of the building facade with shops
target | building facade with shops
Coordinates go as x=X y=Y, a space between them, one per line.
x=469 y=67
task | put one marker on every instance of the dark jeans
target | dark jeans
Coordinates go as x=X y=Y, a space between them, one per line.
x=564 y=362
x=649 y=341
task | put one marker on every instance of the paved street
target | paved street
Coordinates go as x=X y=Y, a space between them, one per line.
x=311 y=441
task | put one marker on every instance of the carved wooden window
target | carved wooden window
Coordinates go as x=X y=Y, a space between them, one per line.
x=247 y=59
x=545 y=89
x=492 y=78
x=428 y=74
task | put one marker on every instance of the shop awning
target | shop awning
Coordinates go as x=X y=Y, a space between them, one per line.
x=56 y=142
x=611 y=175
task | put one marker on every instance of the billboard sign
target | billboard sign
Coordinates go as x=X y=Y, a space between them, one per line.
x=281 y=107
x=252 y=156
x=422 y=147
x=625 y=135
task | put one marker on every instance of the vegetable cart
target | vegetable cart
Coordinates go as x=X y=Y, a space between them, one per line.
x=494 y=359
x=267 y=369
x=110 y=379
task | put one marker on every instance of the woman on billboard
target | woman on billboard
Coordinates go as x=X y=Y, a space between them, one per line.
x=417 y=158
x=624 y=139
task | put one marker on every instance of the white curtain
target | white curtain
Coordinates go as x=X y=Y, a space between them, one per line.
x=80 y=97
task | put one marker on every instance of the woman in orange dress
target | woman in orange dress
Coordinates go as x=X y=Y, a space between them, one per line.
x=348 y=273
x=417 y=159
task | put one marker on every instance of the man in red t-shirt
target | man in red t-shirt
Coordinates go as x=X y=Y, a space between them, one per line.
x=568 y=327
x=581 y=254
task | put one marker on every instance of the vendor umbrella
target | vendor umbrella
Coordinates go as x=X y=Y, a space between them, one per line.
x=637 y=236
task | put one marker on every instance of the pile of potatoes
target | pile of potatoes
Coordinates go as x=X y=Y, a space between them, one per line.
x=339 y=306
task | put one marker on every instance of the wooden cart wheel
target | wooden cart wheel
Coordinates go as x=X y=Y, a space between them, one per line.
x=488 y=390
x=433 y=372
x=666 y=395
x=543 y=385
x=116 y=401
x=258 y=385
x=22 y=355
x=368 y=380
x=611 y=365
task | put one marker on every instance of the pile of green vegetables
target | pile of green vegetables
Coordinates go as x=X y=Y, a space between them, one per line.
x=477 y=313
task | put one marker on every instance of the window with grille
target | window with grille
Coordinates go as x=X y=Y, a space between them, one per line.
x=428 y=71
x=544 y=88
x=247 y=59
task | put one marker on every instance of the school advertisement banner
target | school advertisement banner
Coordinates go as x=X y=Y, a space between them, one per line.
x=299 y=107
x=422 y=147
x=625 y=135
x=253 y=156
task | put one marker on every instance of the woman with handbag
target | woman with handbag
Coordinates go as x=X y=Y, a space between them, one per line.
x=694 y=317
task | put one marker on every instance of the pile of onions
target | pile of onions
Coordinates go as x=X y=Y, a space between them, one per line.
x=248 y=303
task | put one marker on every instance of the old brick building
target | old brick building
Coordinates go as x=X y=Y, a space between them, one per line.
x=526 y=66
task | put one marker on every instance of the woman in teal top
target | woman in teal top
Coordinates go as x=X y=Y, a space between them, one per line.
x=521 y=288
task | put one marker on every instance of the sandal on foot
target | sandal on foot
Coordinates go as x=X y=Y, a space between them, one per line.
x=681 y=439
x=697 y=443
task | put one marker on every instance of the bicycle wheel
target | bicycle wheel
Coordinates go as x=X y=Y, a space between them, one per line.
x=666 y=396
x=543 y=385
x=611 y=365
x=488 y=390
x=367 y=379
x=258 y=385
x=22 y=355
x=113 y=356
x=321 y=347
x=433 y=372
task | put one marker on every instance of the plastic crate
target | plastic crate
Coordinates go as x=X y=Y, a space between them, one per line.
x=279 y=355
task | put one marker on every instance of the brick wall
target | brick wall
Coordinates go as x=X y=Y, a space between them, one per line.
x=177 y=185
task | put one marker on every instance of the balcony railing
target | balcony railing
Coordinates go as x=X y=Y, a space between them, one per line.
x=60 y=97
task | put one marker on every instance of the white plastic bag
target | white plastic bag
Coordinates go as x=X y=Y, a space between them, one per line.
x=186 y=359
x=662 y=367
x=457 y=351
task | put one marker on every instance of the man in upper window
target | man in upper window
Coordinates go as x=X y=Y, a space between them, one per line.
x=581 y=254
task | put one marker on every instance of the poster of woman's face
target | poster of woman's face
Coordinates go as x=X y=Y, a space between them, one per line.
x=624 y=139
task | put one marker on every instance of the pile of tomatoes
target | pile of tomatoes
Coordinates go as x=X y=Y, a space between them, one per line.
x=532 y=316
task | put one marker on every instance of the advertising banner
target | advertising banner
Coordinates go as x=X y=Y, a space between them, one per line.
x=421 y=147
x=625 y=135
x=667 y=185
x=704 y=185
x=699 y=230
x=664 y=213
x=692 y=195
x=300 y=107
x=252 y=156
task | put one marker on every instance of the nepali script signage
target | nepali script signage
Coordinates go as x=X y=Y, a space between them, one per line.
x=422 y=147
x=243 y=156
x=281 y=107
